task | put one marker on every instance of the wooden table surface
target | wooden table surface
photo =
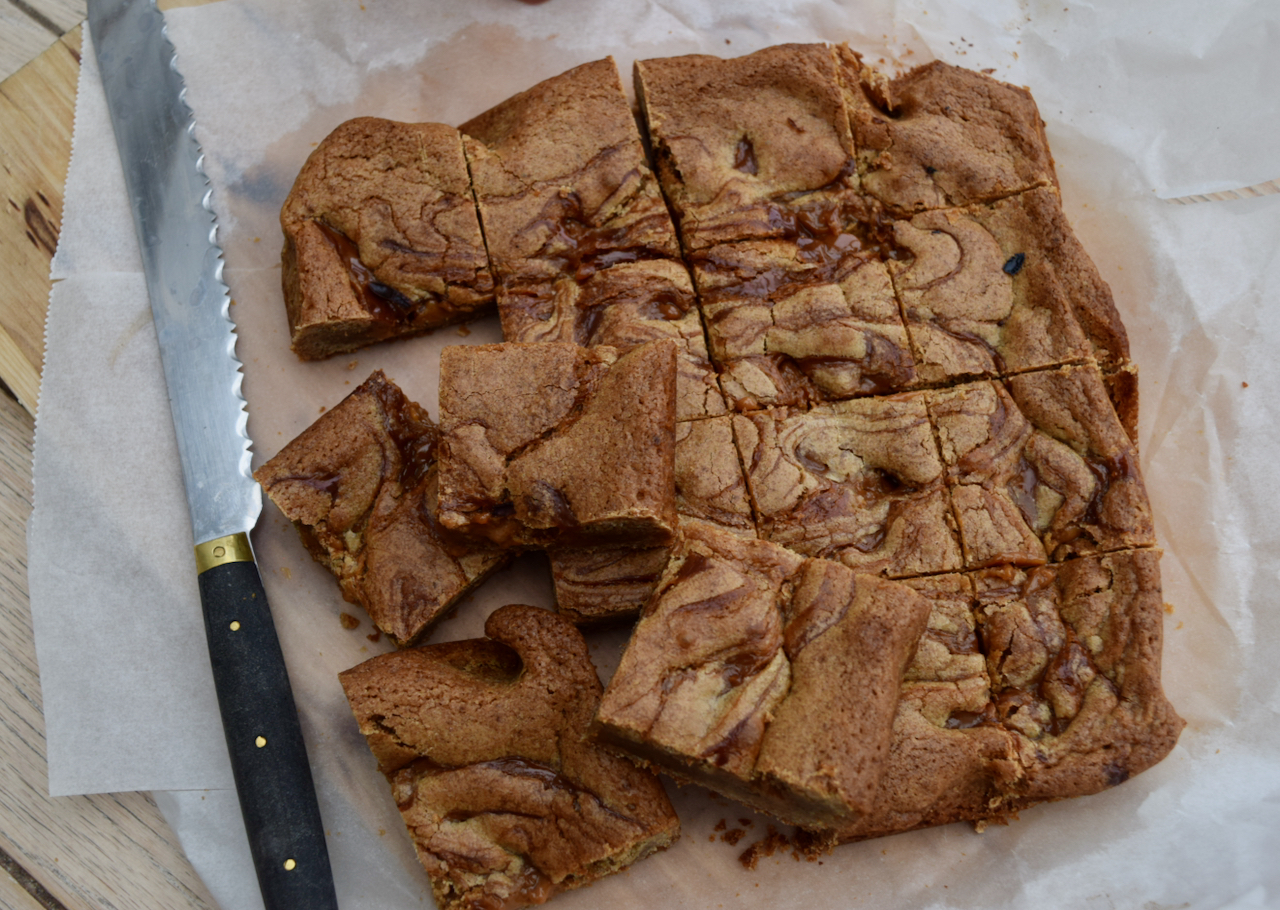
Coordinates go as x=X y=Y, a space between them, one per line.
x=107 y=851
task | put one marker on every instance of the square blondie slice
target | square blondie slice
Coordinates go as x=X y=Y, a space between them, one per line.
x=382 y=239
x=990 y=290
x=554 y=444
x=360 y=485
x=1041 y=469
x=622 y=306
x=856 y=481
x=484 y=745
x=1030 y=685
x=753 y=147
x=581 y=240
x=562 y=181
x=945 y=764
x=769 y=677
x=790 y=325
x=1073 y=652
x=941 y=136
x=604 y=584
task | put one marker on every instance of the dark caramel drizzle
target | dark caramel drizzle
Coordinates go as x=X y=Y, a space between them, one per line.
x=580 y=249
x=832 y=502
x=484 y=511
x=875 y=540
x=574 y=578
x=695 y=564
x=884 y=369
x=512 y=766
x=551 y=503
x=666 y=305
x=1119 y=468
x=1060 y=669
x=745 y=663
x=962 y=641
x=967 y=720
x=1001 y=436
x=1106 y=471
x=820 y=616
x=721 y=752
x=533 y=886
x=1022 y=490
x=745 y=658
x=761 y=285
x=411 y=430
x=792 y=388
x=826 y=232
x=1034 y=581
x=576 y=248
x=323 y=482
x=968 y=339
x=383 y=302
x=744 y=157
x=828 y=251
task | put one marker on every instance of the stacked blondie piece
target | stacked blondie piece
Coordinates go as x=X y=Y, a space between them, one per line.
x=813 y=378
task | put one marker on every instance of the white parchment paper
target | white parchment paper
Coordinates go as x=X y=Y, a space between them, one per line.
x=1143 y=100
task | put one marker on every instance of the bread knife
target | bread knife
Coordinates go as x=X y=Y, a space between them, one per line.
x=169 y=195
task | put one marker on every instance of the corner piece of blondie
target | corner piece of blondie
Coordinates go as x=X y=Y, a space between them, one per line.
x=360 y=486
x=382 y=239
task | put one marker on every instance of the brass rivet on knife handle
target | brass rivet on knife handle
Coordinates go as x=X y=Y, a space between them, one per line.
x=232 y=548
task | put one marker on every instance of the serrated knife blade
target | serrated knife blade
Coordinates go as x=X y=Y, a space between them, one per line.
x=169 y=196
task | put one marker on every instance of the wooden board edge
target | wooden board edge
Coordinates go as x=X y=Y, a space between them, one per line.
x=37 y=111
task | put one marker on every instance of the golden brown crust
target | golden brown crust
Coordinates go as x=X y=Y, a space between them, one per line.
x=769 y=677
x=1074 y=657
x=562 y=181
x=554 y=444
x=1029 y=686
x=483 y=744
x=359 y=484
x=382 y=239
x=928 y=375
x=748 y=148
x=941 y=136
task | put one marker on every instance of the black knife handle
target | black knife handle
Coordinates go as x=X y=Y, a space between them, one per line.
x=268 y=757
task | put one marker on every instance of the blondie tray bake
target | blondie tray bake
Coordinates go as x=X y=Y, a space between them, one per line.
x=810 y=373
